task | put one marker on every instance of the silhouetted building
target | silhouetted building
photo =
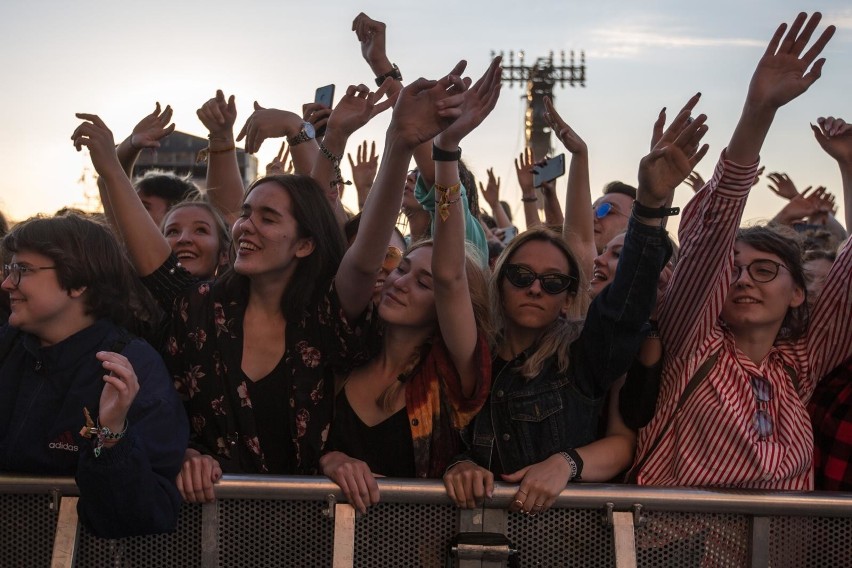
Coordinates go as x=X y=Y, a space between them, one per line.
x=178 y=153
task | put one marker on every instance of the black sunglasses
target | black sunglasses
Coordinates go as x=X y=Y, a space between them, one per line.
x=552 y=282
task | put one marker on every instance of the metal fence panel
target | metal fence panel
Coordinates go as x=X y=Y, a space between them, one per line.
x=27 y=528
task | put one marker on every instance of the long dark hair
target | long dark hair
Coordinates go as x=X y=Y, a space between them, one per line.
x=315 y=220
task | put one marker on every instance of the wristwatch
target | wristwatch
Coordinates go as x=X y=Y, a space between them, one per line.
x=306 y=133
x=394 y=73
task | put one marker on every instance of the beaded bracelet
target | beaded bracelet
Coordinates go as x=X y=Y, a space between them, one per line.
x=100 y=433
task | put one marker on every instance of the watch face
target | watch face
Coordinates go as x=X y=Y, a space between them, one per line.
x=309 y=129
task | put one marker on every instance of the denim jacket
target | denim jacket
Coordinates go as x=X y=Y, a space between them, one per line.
x=527 y=421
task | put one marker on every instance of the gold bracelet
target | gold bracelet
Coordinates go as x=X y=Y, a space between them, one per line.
x=444 y=194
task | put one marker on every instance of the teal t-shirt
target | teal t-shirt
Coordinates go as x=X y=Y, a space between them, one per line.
x=472 y=229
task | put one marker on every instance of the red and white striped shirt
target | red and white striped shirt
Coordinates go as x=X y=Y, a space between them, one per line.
x=713 y=440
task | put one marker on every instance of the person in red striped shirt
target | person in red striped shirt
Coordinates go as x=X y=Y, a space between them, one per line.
x=742 y=359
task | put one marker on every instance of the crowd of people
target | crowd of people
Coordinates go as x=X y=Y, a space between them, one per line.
x=188 y=333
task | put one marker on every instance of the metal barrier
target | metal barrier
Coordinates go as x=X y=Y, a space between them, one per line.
x=300 y=521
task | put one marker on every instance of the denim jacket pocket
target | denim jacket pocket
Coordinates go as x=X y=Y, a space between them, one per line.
x=536 y=407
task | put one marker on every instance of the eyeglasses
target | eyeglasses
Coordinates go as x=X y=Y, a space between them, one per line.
x=552 y=282
x=604 y=209
x=762 y=270
x=763 y=393
x=16 y=271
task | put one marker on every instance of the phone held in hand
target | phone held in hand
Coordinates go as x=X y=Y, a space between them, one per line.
x=325 y=96
x=551 y=169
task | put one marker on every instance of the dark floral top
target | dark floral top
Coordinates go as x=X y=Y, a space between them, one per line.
x=203 y=351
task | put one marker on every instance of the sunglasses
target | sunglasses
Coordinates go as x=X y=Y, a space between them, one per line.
x=763 y=393
x=552 y=282
x=604 y=209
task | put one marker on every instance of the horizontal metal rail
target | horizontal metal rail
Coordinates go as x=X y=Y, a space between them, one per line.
x=578 y=496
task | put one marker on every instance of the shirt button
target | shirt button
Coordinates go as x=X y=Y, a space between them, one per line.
x=500 y=394
x=506 y=437
x=415 y=422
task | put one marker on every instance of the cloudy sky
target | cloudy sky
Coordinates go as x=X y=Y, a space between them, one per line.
x=116 y=58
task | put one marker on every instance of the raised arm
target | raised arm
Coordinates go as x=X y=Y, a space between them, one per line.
x=834 y=135
x=523 y=169
x=364 y=171
x=224 y=183
x=452 y=293
x=696 y=294
x=353 y=111
x=491 y=195
x=146 y=245
x=417 y=116
x=273 y=123
x=146 y=134
x=578 y=228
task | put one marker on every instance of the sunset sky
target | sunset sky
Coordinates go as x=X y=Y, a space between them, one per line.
x=118 y=58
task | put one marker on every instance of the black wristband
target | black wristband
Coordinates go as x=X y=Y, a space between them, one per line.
x=654 y=212
x=394 y=73
x=577 y=460
x=441 y=155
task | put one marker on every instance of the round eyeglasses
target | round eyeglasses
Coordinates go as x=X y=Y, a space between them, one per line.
x=16 y=271
x=552 y=282
x=761 y=270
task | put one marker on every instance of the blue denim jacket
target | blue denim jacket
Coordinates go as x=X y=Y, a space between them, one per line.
x=527 y=421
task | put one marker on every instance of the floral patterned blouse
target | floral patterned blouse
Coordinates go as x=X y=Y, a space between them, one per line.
x=203 y=351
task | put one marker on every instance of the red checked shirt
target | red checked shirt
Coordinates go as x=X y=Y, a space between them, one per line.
x=712 y=440
x=831 y=412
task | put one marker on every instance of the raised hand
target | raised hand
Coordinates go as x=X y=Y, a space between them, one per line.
x=95 y=135
x=371 y=34
x=834 y=135
x=268 y=123
x=417 y=116
x=784 y=72
x=781 y=185
x=524 y=169
x=317 y=114
x=570 y=139
x=491 y=191
x=474 y=104
x=695 y=181
x=153 y=128
x=357 y=107
x=280 y=164
x=120 y=388
x=364 y=170
x=218 y=116
x=673 y=157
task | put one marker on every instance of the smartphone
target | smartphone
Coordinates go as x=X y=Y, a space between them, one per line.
x=324 y=95
x=553 y=168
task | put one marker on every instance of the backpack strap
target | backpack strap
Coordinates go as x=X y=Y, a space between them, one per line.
x=693 y=383
x=121 y=341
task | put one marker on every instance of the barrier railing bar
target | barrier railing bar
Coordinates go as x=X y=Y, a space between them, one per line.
x=67 y=533
x=759 y=542
x=579 y=496
x=623 y=538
